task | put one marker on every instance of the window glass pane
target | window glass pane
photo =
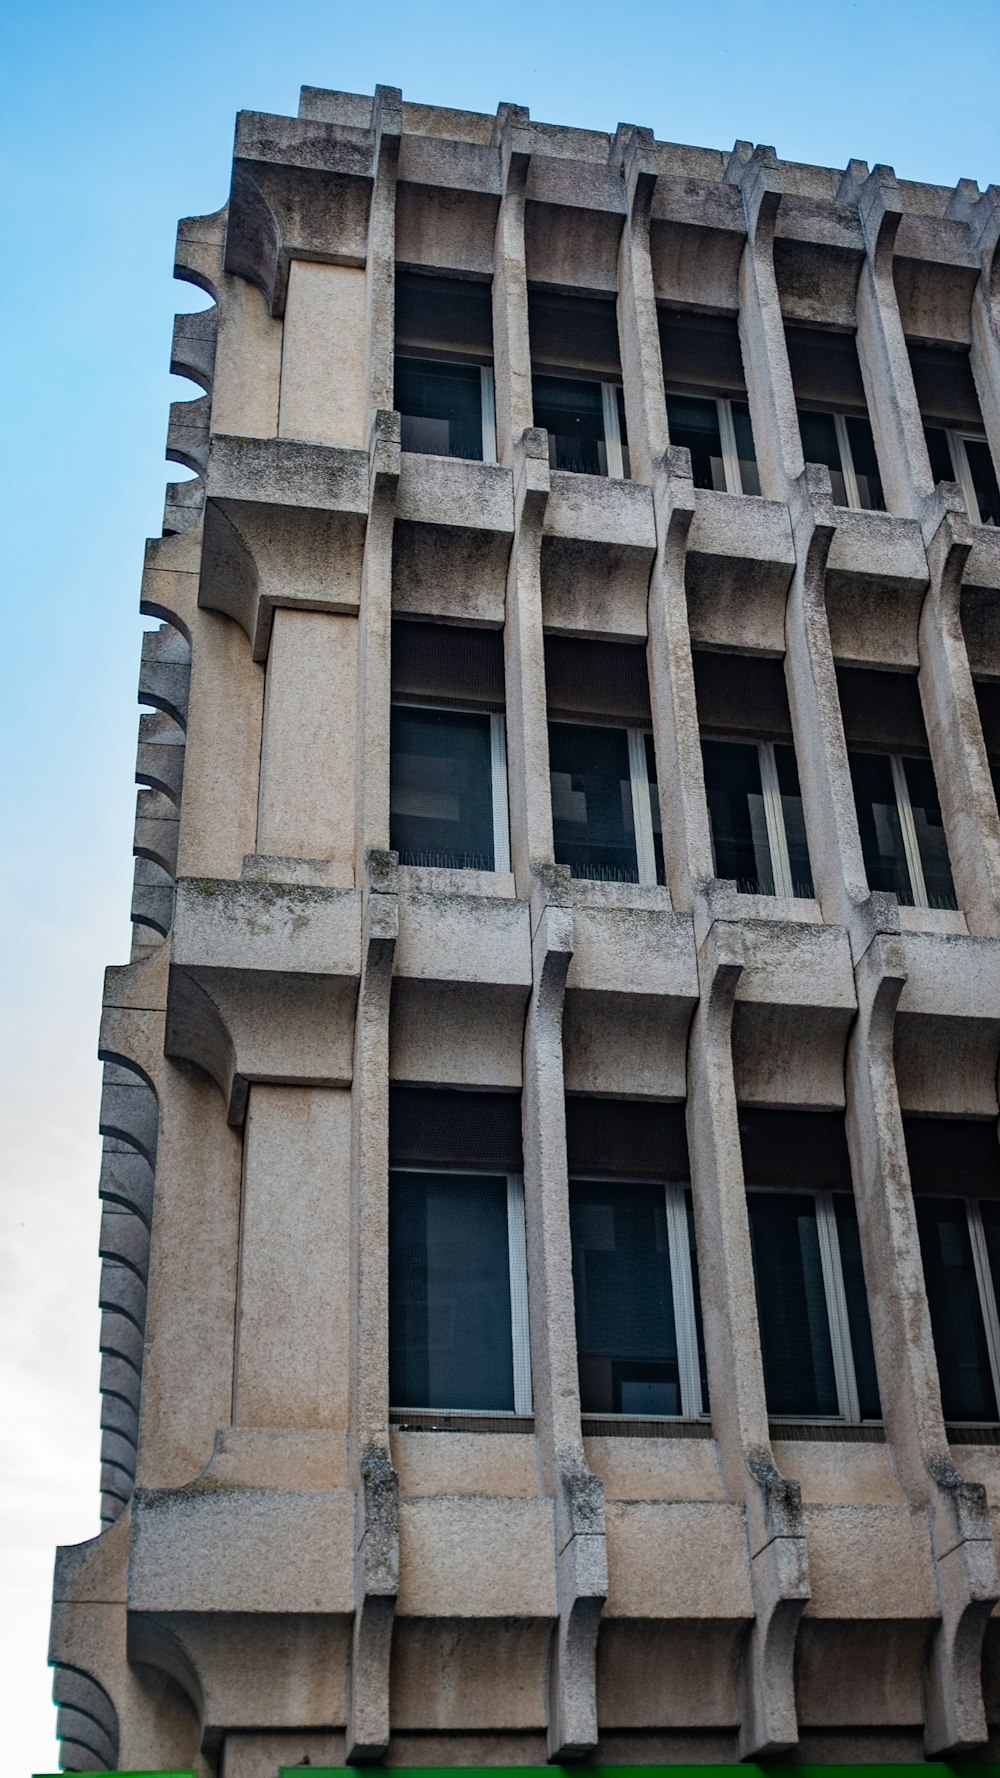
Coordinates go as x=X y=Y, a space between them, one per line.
x=440 y=407
x=878 y=821
x=857 y=1306
x=592 y=819
x=441 y=788
x=931 y=842
x=572 y=414
x=696 y=1286
x=791 y=1304
x=749 y=475
x=736 y=815
x=984 y=480
x=956 y=1313
x=623 y=434
x=819 y=445
x=694 y=422
x=654 y=807
x=626 y=1337
x=939 y=452
x=866 y=469
x=795 y=825
x=449 y=1293
x=990 y=1211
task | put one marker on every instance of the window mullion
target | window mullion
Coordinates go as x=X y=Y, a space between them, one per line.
x=836 y=1307
x=730 y=453
x=498 y=776
x=612 y=431
x=963 y=475
x=517 y=1259
x=489 y=407
x=642 y=815
x=774 y=817
x=682 y=1289
x=987 y=1295
x=908 y=830
x=846 y=461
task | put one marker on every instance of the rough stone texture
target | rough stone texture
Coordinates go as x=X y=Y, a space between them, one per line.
x=285 y=1577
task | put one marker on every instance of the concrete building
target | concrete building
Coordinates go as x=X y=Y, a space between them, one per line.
x=551 y=1223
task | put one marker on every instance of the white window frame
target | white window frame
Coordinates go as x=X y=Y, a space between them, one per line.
x=642 y=809
x=963 y=475
x=488 y=396
x=498 y=774
x=682 y=1291
x=774 y=815
x=517 y=1268
x=727 y=437
x=847 y=462
x=835 y=1299
x=987 y=1295
x=908 y=829
x=487 y=402
x=612 y=432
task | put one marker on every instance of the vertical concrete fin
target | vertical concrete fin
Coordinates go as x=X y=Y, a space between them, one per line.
x=964 y=1558
x=762 y=332
x=687 y=843
x=633 y=154
x=511 y=343
x=577 y=1494
x=524 y=661
x=779 y=1571
x=373 y=1478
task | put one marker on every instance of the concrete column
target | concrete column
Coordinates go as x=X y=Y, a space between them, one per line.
x=982 y=214
x=292 y=1324
x=961 y=1537
x=511 y=343
x=777 y=1546
x=373 y=1478
x=524 y=666
x=581 y=1560
x=885 y=361
x=187 y=1381
x=633 y=152
x=306 y=807
x=762 y=330
x=687 y=847
x=817 y=726
x=965 y=786
x=371 y=762
x=380 y=314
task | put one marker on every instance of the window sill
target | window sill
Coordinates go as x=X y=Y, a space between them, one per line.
x=588 y=892
x=799 y=910
x=836 y=1432
x=459 y=1420
x=941 y=920
x=969 y=1432
x=432 y=879
x=625 y=1426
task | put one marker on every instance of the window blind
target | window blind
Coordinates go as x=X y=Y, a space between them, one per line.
x=447 y=664
x=442 y=314
x=951 y=1156
x=881 y=710
x=626 y=1139
x=946 y=389
x=741 y=695
x=439 y=1127
x=795 y=1148
x=701 y=352
x=596 y=679
x=574 y=331
x=825 y=369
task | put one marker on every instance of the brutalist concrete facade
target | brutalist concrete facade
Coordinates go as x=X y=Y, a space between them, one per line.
x=285 y=1574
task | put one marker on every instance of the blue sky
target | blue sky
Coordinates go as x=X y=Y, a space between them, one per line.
x=116 y=119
